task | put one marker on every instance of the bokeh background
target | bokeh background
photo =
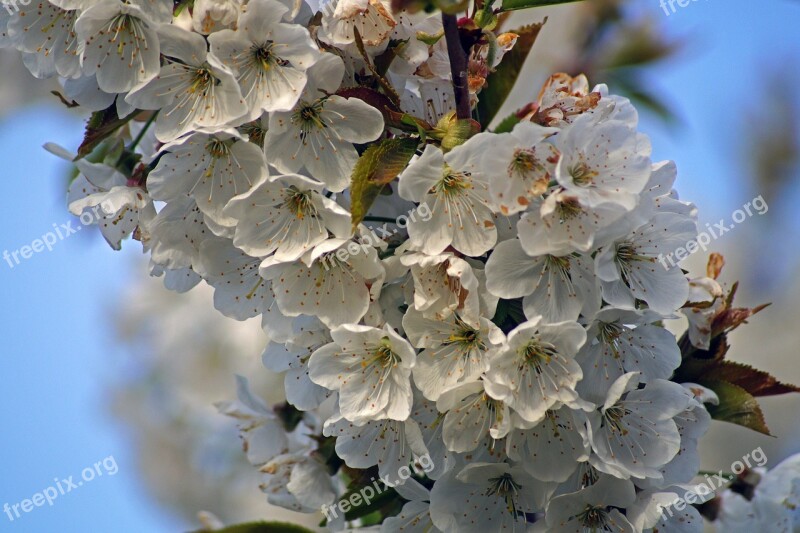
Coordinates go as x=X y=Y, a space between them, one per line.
x=98 y=360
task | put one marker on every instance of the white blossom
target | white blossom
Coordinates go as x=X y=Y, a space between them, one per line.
x=453 y=350
x=193 y=90
x=622 y=342
x=528 y=162
x=457 y=199
x=210 y=168
x=636 y=265
x=603 y=162
x=557 y=287
x=371 y=18
x=392 y=445
x=49 y=40
x=239 y=291
x=285 y=217
x=552 y=449
x=633 y=433
x=472 y=417
x=319 y=132
x=268 y=57
x=336 y=281
x=371 y=370
x=119 y=44
x=292 y=357
x=536 y=369
x=595 y=508
x=209 y=16
x=485 y=497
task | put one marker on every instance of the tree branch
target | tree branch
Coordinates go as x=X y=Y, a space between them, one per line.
x=458 y=65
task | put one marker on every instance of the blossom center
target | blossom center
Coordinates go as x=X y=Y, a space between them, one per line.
x=609 y=334
x=558 y=264
x=453 y=182
x=383 y=355
x=537 y=354
x=308 y=116
x=614 y=419
x=550 y=416
x=466 y=337
x=595 y=518
x=582 y=175
x=265 y=57
x=505 y=487
x=524 y=164
x=217 y=148
x=255 y=133
x=626 y=254
x=123 y=23
x=203 y=80
x=298 y=202
x=568 y=209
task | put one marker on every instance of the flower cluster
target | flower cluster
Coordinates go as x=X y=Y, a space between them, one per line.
x=515 y=336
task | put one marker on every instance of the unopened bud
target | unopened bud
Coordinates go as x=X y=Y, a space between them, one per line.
x=485 y=19
x=452 y=131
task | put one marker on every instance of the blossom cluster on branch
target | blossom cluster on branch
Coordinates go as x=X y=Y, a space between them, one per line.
x=512 y=336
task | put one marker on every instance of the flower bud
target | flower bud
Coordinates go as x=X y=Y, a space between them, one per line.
x=485 y=19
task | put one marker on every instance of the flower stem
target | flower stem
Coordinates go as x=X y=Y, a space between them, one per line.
x=729 y=477
x=144 y=129
x=458 y=65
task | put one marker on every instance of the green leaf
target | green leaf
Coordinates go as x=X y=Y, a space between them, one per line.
x=100 y=127
x=180 y=6
x=378 y=165
x=502 y=80
x=404 y=120
x=430 y=38
x=384 y=60
x=736 y=406
x=263 y=527
x=509 y=314
x=508 y=123
x=511 y=5
x=376 y=503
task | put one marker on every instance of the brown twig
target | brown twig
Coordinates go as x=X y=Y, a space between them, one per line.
x=458 y=65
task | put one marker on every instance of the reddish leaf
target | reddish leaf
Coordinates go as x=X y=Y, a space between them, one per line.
x=379 y=101
x=101 y=126
x=756 y=382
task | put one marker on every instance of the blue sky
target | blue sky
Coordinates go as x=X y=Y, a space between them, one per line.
x=729 y=47
x=59 y=353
